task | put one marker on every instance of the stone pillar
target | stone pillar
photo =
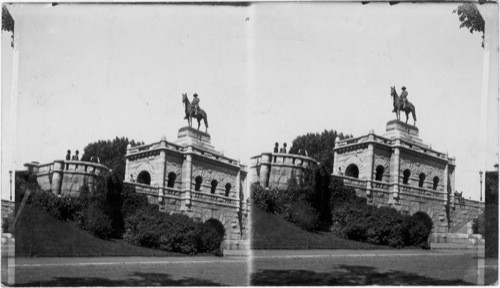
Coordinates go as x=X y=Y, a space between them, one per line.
x=238 y=185
x=395 y=171
x=187 y=168
x=127 y=163
x=57 y=176
x=371 y=159
x=335 y=160
x=163 y=162
x=445 y=184
x=265 y=170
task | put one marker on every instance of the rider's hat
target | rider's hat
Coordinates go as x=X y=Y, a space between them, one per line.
x=404 y=88
x=195 y=95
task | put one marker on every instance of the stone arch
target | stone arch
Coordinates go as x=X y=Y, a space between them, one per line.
x=213 y=187
x=197 y=183
x=145 y=167
x=379 y=173
x=406 y=176
x=171 y=179
x=421 y=179
x=352 y=171
x=144 y=178
x=228 y=189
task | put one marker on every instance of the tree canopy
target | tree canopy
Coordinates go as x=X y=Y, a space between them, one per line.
x=318 y=145
x=471 y=18
x=111 y=153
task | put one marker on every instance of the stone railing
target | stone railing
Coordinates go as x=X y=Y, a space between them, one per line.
x=210 y=154
x=351 y=141
x=353 y=182
x=421 y=191
x=214 y=198
x=67 y=166
x=154 y=146
x=379 y=185
x=283 y=159
x=179 y=194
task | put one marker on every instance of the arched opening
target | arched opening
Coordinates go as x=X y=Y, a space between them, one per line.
x=352 y=171
x=421 y=179
x=228 y=189
x=436 y=182
x=144 y=178
x=197 y=183
x=171 y=179
x=214 y=186
x=380 y=173
x=406 y=176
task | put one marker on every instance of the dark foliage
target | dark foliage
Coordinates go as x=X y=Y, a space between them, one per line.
x=8 y=223
x=111 y=153
x=319 y=146
x=174 y=233
x=303 y=215
x=471 y=18
x=478 y=225
x=354 y=219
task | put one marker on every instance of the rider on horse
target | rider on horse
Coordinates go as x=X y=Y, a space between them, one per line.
x=403 y=96
x=195 y=104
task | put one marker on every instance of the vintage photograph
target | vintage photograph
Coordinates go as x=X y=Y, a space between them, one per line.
x=249 y=144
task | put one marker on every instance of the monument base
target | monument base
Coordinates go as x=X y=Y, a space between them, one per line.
x=396 y=129
x=190 y=136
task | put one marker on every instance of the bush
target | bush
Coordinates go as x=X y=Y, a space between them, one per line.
x=174 y=233
x=211 y=236
x=304 y=215
x=8 y=223
x=132 y=202
x=354 y=219
x=96 y=222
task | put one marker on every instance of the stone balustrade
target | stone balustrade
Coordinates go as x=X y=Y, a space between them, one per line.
x=66 y=177
x=424 y=192
x=276 y=169
x=178 y=194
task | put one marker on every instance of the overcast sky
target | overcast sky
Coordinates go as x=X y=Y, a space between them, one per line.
x=264 y=73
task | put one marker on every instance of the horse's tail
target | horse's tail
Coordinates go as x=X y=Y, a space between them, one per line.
x=205 y=119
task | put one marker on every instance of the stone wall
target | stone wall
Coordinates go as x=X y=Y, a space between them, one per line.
x=67 y=177
x=276 y=169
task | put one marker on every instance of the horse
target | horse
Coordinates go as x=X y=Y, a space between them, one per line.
x=398 y=106
x=191 y=113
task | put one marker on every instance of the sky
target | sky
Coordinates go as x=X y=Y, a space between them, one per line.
x=264 y=73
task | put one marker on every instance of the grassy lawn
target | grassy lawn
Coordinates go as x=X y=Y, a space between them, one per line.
x=272 y=232
x=40 y=235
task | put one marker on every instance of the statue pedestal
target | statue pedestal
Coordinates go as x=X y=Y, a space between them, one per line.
x=396 y=129
x=189 y=136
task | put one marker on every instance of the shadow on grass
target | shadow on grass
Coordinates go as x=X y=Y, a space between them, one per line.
x=344 y=275
x=135 y=279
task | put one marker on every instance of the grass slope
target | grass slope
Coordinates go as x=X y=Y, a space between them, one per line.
x=272 y=232
x=46 y=236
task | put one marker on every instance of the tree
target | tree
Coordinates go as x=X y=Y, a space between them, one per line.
x=111 y=153
x=471 y=19
x=318 y=146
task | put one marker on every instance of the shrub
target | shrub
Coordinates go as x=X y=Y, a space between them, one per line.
x=97 y=222
x=424 y=218
x=304 y=215
x=8 y=223
x=211 y=236
x=262 y=198
x=132 y=201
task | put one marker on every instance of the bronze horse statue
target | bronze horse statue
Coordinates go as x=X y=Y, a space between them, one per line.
x=190 y=113
x=398 y=106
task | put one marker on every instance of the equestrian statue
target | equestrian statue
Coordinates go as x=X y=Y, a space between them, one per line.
x=401 y=103
x=194 y=110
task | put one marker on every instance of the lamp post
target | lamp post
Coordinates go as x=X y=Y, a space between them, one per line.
x=481 y=186
x=10 y=173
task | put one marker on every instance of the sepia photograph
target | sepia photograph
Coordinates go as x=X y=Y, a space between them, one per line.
x=249 y=144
